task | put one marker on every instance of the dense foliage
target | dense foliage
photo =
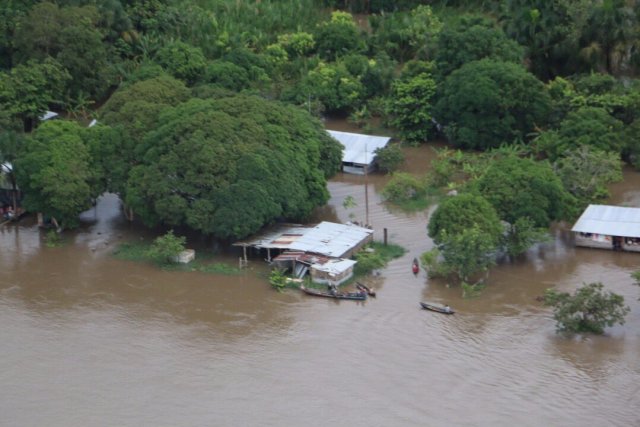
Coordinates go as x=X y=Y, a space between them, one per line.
x=589 y=309
x=487 y=103
x=556 y=77
x=227 y=167
x=56 y=174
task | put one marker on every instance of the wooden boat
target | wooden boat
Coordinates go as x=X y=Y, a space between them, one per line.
x=364 y=288
x=437 y=308
x=356 y=296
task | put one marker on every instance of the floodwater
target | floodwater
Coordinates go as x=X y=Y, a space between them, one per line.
x=89 y=340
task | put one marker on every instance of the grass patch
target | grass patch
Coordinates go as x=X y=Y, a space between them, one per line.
x=132 y=252
x=376 y=255
x=52 y=239
x=139 y=252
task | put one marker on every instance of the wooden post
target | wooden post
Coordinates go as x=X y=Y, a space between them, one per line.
x=385 y=237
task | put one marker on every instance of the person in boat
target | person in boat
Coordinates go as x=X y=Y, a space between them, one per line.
x=415 y=267
x=447 y=309
x=333 y=290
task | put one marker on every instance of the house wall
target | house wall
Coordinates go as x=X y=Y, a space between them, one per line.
x=590 y=240
x=324 y=277
x=601 y=241
x=631 y=244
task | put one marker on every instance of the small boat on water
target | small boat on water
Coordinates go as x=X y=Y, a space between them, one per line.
x=438 y=308
x=364 y=288
x=356 y=296
x=415 y=266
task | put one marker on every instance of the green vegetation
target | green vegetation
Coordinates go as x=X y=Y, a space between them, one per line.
x=166 y=248
x=407 y=192
x=376 y=255
x=53 y=239
x=140 y=252
x=486 y=103
x=206 y=109
x=278 y=279
x=589 y=309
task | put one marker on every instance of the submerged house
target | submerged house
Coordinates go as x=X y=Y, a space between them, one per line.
x=323 y=250
x=359 y=155
x=608 y=227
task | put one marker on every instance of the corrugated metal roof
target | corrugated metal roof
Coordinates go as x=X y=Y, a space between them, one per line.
x=326 y=238
x=331 y=239
x=609 y=220
x=359 y=148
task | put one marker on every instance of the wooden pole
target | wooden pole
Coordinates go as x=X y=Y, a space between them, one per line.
x=385 y=237
x=366 y=187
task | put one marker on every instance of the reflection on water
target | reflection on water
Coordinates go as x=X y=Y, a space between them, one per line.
x=91 y=340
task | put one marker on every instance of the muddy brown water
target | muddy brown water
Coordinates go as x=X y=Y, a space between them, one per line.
x=89 y=340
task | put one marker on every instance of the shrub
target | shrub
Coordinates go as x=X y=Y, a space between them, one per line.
x=165 y=248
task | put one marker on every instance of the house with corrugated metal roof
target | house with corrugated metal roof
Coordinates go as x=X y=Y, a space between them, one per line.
x=359 y=154
x=608 y=227
x=323 y=250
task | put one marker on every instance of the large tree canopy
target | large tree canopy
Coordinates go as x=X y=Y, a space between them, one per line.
x=227 y=167
x=487 y=103
x=524 y=188
x=55 y=172
x=471 y=39
x=135 y=110
x=459 y=213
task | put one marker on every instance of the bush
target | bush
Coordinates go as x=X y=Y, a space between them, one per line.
x=166 y=248
x=278 y=279
x=389 y=157
x=403 y=187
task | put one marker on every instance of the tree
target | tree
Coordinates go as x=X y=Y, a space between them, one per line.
x=608 y=34
x=54 y=172
x=406 y=35
x=333 y=86
x=462 y=212
x=471 y=39
x=544 y=28
x=338 y=36
x=467 y=253
x=409 y=105
x=586 y=172
x=524 y=188
x=183 y=61
x=523 y=234
x=590 y=126
x=228 y=166
x=71 y=36
x=133 y=111
x=487 y=103
x=389 y=158
x=589 y=309
x=29 y=90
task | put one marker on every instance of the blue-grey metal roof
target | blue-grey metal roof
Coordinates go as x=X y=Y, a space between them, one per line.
x=609 y=220
x=359 y=148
